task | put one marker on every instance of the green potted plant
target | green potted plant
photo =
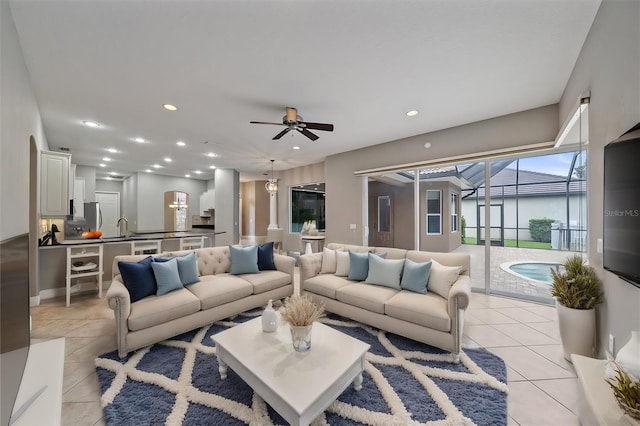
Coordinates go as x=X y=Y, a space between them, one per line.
x=577 y=290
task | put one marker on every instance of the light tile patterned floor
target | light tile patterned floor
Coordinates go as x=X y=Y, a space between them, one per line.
x=542 y=385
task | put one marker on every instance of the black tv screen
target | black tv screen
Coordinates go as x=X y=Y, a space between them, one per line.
x=622 y=206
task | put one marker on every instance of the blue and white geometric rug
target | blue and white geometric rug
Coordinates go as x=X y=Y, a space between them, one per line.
x=176 y=382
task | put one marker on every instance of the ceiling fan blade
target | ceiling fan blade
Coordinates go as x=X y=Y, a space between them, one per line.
x=265 y=122
x=319 y=126
x=308 y=134
x=282 y=133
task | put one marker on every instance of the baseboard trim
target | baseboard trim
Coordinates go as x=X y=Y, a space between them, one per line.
x=52 y=293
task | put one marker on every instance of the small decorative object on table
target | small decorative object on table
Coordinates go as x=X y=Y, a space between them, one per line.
x=269 y=319
x=626 y=389
x=300 y=312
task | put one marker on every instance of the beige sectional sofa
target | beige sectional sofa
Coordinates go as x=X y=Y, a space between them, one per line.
x=429 y=318
x=216 y=296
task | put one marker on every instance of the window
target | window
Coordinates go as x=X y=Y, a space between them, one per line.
x=454 y=212
x=307 y=203
x=434 y=212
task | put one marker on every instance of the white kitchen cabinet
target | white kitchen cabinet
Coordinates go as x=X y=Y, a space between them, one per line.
x=54 y=183
x=84 y=261
x=207 y=200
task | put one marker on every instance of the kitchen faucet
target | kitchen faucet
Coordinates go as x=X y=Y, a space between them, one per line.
x=126 y=226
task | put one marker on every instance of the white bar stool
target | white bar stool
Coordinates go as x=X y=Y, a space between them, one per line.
x=146 y=247
x=191 y=243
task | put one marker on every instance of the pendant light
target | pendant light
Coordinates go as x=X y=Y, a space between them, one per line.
x=272 y=184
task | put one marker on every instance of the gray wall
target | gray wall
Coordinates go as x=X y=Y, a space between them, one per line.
x=109 y=185
x=608 y=66
x=228 y=195
x=129 y=201
x=344 y=190
x=150 y=198
x=89 y=175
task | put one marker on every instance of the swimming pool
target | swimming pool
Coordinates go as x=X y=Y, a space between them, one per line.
x=535 y=271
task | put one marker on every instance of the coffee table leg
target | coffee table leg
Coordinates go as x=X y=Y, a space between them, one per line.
x=357 y=382
x=222 y=368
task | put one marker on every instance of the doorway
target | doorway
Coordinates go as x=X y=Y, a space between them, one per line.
x=496 y=229
x=381 y=220
x=110 y=209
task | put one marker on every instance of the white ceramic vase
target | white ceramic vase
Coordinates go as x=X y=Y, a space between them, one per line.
x=577 y=330
x=269 y=319
x=628 y=357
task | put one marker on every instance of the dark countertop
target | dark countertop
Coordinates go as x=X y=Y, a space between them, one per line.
x=204 y=226
x=137 y=236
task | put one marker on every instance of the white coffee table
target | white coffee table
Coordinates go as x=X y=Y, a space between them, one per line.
x=298 y=385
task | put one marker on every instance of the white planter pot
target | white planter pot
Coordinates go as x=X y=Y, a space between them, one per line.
x=577 y=330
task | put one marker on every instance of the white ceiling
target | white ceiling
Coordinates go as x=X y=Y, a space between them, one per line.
x=360 y=65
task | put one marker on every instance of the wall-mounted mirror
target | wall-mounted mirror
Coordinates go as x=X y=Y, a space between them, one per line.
x=307 y=203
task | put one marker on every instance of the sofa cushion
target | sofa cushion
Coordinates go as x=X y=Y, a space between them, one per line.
x=154 y=310
x=188 y=269
x=359 y=265
x=429 y=310
x=213 y=260
x=244 y=260
x=442 y=278
x=216 y=290
x=365 y=296
x=267 y=280
x=384 y=272
x=138 y=278
x=342 y=263
x=167 y=276
x=325 y=285
x=265 y=257
x=415 y=276
x=329 y=261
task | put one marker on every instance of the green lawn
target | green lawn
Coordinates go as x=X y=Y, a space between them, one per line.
x=512 y=243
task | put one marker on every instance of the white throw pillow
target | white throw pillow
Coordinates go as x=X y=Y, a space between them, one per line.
x=442 y=278
x=329 y=261
x=342 y=263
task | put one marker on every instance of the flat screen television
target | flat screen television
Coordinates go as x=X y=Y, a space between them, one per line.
x=622 y=206
x=15 y=333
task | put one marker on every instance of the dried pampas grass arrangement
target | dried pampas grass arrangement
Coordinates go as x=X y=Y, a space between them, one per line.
x=301 y=310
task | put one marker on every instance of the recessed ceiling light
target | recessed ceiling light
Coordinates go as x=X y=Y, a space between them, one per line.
x=108 y=177
x=412 y=113
x=167 y=159
x=212 y=167
x=112 y=150
x=170 y=107
x=148 y=170
x=139 y=140
x=102 y=165
x=180 y=143
x=211 y=154
x=427 y=145
x=197 y=172
x=187 y=175
x=112 y=173
x=106 y=159
x=89 y=123
x=156 y=166
x=296 y=147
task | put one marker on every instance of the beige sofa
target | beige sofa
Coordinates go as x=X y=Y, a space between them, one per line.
x=218 y=295
x=428 y=318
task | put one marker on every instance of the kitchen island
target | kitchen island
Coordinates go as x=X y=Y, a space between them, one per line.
x=52 y=265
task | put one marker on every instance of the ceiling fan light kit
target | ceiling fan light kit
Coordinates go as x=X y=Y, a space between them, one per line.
x=293 y=121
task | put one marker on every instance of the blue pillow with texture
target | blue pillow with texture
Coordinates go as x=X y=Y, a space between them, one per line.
x=359 y=265
x=384 y=272
x=167 y=276
x=265 y=257
x=415 y=276
x=244 y=260
x=188 y=268
x=138 y=278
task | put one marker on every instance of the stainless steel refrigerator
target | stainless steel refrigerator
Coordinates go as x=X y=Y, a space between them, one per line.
x=93 y=216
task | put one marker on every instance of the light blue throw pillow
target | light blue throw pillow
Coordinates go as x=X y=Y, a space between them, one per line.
x=385 y=272
x=415 y=276
x=244 y=260
x=188 y=269
x=359 y=265
x=167 y=276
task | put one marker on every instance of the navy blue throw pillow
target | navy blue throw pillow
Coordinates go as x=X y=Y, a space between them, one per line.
x=138 y=278
x=265 y=257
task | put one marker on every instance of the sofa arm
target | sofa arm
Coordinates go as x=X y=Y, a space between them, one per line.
x=459 y=295
x=284 y=264
x=310 y=265
x=120 y=301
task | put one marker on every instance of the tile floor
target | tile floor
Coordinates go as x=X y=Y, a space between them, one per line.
x=542 y=385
